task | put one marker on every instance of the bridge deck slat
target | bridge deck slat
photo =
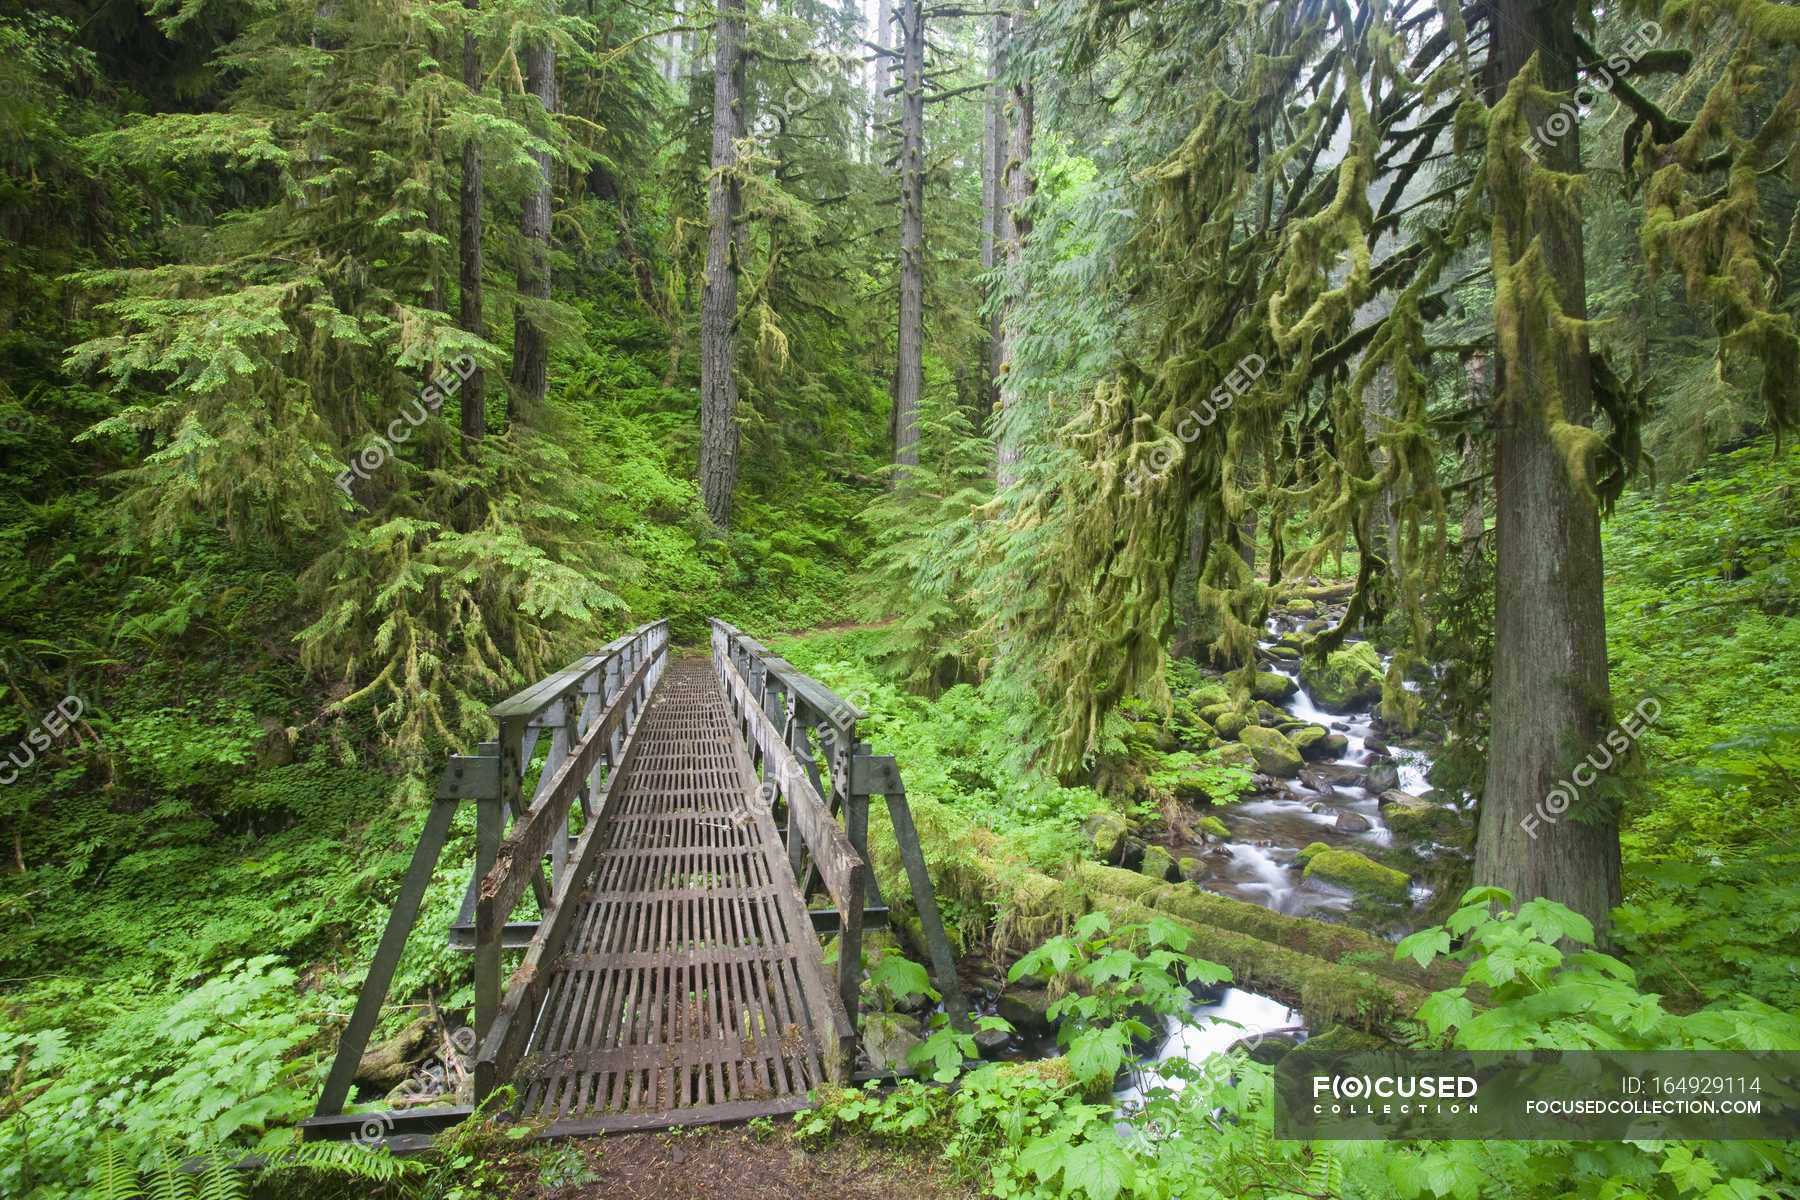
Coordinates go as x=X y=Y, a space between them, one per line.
x=682 y=995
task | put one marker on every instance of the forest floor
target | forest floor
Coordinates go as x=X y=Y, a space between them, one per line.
x=714 y=1163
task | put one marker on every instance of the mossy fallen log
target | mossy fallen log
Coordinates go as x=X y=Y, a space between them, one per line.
x=1334 y=973
x=1321 y=939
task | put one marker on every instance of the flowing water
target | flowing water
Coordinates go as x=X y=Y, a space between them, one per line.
x=1269 y=829
x=1257 y=864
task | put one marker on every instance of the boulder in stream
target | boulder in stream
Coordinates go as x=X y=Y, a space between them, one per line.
x=1275 y=754
x=1353 y=822
x=1416 y=818
x=1383 y=776
x=1359 y=873
x=1349 y=678
x=1318 y=744
x=1273 y=686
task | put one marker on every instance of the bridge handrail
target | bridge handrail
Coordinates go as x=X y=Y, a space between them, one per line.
x=592 y=706
x=778 y=708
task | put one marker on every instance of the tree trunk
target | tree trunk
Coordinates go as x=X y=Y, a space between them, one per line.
x=1018 y=186
x=1185 y=643
x=531 y=345
x=719 y=293
x=884 y=63
x=472 y=398
x=1474 y=518
x=1550 y=706
x=909 y=378
x=991 y=139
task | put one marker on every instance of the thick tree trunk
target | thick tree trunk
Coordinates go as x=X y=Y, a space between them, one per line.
x=909 y=378
x=719 y=293
x=472 y=398
x=1018 y=185
x=1550 y=707
x=531 y=345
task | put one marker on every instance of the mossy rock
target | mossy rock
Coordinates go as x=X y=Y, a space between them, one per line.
x=1025 y=1008
x=1189 y=868
x=1283 y=651
x=1384 y=776
x=1210 y=692
x=1275 y=754
x=1307 y=738
x=1230 y=724
x=1349 y=678
x=1361 y=874
x=1273 y=717
x=1307 y=851
x=1300 y=606
x=1158 y=863
x=1107 y=832
x=1198 y=734
x=1418 y=819
x=1272 y=686
x=1214 y=828
x=887 y=1038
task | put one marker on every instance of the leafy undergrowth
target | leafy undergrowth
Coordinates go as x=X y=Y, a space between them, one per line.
x=1052 y=1130
x=955 y=750
x=1703 y=591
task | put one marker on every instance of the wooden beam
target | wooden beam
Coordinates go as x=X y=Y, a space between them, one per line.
x=931 y=922
x=363 y=1017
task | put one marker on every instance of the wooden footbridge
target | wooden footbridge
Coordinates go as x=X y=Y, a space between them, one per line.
x=668 y=968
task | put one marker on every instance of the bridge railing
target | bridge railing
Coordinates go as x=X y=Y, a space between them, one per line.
x=790 y=721
x=591 y=709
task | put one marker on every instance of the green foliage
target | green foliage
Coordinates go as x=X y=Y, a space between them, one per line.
x=1115 y=985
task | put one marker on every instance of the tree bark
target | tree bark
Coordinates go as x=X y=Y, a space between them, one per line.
x=991 y=138
x=1550 y=705
x=909 y=377
x=719 y=292
x=1474 y=517
x=1019 y=186
x=531 y=344
x=884 y=63
x=472 y=398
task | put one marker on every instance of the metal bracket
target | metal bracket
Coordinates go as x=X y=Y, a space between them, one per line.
x=470 y=777
x=874 y=775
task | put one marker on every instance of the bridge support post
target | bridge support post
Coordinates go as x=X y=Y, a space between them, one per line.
x=464 y=777
x=881 y=773
x=487 y=849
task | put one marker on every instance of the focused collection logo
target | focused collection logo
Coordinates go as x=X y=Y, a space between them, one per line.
x=1368 y=1095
